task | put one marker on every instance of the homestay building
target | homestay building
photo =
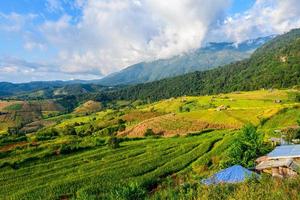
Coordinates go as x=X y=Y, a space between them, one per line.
x=283 y=161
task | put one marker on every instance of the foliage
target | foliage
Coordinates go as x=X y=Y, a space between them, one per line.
x=47 y=134
x=248 y=146
x=14 y=107
x=69 y=130
x=265 y=69
x=149 y=132
x=129 y=192
x=113 y=142
x=266 y=188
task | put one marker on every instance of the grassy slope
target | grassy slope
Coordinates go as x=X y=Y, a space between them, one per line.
x=25 y=112
x=243 y=107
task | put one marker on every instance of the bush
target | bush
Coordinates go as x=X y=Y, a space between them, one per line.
x=47 y=134
x=69 y=130
x=122 y=127
x=113 y=142
x=149 y=132
x=129 y=192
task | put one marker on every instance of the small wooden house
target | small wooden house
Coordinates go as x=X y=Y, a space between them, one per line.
x=283 y=161
x=222 y=107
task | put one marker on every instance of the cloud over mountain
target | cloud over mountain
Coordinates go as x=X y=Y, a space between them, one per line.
x=105 y=36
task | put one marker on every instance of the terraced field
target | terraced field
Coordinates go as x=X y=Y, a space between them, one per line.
x=187 y=114
x=14 y=113
x=71 y=157
x=105 y=173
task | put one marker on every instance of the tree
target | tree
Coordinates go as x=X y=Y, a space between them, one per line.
x=113 y=142
x=248 y=146
x=69 y=130
x=149 y=132
x=122 y=127
x=13 y=130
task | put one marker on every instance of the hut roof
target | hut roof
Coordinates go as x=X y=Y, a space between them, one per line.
x=278 y=163
x=274 y=163
x=286 y=151
x=234 y=174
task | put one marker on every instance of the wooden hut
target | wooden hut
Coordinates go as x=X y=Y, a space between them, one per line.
x=283 y=161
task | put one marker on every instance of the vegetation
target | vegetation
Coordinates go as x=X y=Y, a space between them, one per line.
x=274 y=65
x=111 y=149
x=265 y=188
x=248 y=146
x=89 y=156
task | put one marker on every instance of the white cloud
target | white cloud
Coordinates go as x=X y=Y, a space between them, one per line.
x=266 y=17
x=15 y=22
x=109 y=35
x=18 y=70
x=54 y=5
x=114 y=34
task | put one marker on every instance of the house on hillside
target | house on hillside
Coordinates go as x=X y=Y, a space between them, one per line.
x=221 y=107
x=283 y=161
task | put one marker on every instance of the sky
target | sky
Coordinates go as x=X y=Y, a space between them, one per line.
x=89 y=39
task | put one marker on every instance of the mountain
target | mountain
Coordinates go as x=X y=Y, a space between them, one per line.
x=46 y=88
x=274 y=65
x=211 y=56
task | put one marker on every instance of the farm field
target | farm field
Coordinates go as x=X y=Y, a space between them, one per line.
x=102 y=172
x=17 y=113
x=196 y=113
x=173 y=141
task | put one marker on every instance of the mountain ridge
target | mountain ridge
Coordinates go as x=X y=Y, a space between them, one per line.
x=274 y=65
x=211 y=56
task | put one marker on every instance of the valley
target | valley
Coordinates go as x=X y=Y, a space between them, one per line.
x=185 y=138
x=137 y=139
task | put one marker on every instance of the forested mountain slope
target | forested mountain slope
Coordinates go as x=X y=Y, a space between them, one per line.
x=275 y=65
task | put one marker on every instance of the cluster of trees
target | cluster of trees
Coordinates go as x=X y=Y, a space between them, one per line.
x=87 y=129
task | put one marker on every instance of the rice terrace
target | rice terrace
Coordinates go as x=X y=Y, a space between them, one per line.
x=54 y=163
x=150 y=100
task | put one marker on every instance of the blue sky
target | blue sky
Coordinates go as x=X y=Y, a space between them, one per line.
x=88 y=39
x=239 y=6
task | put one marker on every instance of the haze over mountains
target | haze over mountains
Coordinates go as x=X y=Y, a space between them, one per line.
x=274 y=64
x=211 y=56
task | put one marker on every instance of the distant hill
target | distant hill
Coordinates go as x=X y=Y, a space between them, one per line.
x=211 y=56
x=88 y=107
x=47 y=90
x=274 y=65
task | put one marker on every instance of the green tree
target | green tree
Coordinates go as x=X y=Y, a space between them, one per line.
x=248 y=146
x=69 y=130
x=113 y=142
x=149 y=132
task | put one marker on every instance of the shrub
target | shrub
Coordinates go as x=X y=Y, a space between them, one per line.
x=149 y=132
x=129 y=192
x=122 y=127
x=47 y=134
x=69 y=130
x=113 y=142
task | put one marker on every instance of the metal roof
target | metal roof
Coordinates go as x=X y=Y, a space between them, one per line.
x=286 y=151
